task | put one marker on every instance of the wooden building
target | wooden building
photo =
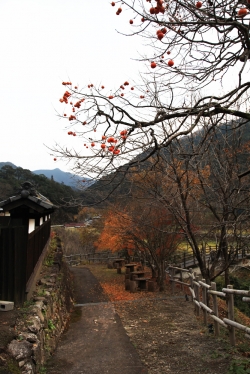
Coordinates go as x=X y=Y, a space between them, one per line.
x=24 y=237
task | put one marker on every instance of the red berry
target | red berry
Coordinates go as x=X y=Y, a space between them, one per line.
x=113 y=3
x=160 y=35
x=153 y=65
x=170 y=63
x=131 y=22
x=242 y=12
x=198 y=4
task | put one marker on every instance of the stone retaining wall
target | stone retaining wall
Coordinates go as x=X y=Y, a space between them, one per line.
x=44 y=317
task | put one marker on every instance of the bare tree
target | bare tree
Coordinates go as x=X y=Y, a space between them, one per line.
x=209 y=46
x=70 y=240
x=197 y=181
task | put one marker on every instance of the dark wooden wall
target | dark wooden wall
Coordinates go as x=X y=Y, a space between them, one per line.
x=36 y=242
x=19 y=253
x=13 y=258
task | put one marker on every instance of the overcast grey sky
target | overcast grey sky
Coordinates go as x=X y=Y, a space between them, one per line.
x=43 y=43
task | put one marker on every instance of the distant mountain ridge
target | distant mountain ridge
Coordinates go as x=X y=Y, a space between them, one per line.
x=60 y=176
x=57 y=175
x=9 y=164
x=60 y=194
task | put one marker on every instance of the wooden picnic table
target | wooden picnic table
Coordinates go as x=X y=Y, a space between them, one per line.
x=119 y=261
x=130 y=267
x=142 y=283
x=138 y=273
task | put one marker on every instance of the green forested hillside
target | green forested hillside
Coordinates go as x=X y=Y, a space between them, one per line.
x=118 y=185
x=12 y=178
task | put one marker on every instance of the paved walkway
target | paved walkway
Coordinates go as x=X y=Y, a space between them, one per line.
x=96 y=342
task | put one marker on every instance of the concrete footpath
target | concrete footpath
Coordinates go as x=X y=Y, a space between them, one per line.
x=96 y=341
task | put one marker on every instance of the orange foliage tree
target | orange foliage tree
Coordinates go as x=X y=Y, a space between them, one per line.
x=147 y=229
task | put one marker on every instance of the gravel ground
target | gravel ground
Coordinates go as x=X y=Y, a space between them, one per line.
x=170 y=339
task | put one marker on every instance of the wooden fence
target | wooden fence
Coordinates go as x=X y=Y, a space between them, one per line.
x=98 y=257
x=36 y=243
x=13 y=257
x=187 y=259
x=19 y=255
x=200 y=290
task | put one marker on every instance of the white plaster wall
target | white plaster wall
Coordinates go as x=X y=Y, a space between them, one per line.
x=31 y=225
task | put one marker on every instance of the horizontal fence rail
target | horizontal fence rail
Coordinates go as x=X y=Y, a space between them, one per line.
x=187 y=259
x=199 y=290
x=103 y=257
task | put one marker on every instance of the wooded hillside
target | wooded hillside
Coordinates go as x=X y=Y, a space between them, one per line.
x=59 y=194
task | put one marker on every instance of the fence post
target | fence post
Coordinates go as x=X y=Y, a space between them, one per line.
x=215 y=310
x=203 y=248
x=230 y=305
x=173 y=280
x=204 y=300
x=191 y=282
x=197 y=295
x=191 y=278
x=195 y=292
x=181 y=278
